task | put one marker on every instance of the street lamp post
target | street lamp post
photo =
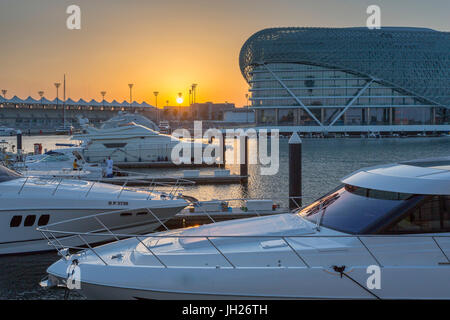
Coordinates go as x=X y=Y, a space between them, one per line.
x=155 y=93
x=194 y=88
x=103 y=93
x=130 y=85
x=4 y=91
x=41 y=94
x=57 y=85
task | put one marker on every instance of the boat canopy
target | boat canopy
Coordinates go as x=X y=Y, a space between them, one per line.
x=423 y=176
x=8 y=174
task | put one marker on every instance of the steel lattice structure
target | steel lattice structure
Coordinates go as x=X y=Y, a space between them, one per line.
x=414 y=60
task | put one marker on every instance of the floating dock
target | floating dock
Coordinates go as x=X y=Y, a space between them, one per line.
x=160 y=164
x=201 y=179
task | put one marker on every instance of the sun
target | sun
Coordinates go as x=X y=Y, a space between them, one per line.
x=179 y=100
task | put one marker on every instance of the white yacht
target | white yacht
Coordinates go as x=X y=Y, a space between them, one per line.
x=383 y=234
x=129 y=142
x=28 y=203
x=125 y=117
x=4 y=131
x=59 y=163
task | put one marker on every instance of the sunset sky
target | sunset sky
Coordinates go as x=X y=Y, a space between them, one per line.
x=165 y=45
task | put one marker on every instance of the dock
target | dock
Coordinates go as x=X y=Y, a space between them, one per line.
x=145 y=180
x=159 y=164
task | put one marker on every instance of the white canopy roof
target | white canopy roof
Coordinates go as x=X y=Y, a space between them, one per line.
x=426 y=176
x=70 y=102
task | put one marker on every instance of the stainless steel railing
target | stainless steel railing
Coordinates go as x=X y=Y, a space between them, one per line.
x=59 y=237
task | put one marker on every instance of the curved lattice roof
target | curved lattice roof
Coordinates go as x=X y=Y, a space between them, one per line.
x=416 y=60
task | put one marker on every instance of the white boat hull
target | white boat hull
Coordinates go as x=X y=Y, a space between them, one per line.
x=281 y=283
x=28 y=239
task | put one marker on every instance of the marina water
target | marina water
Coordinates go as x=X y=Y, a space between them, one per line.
x=325 y=161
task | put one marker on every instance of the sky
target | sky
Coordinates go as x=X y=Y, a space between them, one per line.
x=165 y=45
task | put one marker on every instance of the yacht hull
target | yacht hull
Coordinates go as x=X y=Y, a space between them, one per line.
x=23 y=239
x=317 y=283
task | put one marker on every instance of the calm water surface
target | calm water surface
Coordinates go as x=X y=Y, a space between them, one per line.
x=325 y=161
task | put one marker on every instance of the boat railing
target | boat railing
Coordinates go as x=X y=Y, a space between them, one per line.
x=60 y=236
x=169 y=188
x=59 y=239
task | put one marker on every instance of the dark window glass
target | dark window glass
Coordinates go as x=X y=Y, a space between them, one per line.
x=445 y=200
x=125 y=214
x=141 y=213
x=43 y=220
x=352 y=209
x=114 y=145
x=15 y=221
x=431 y=215
x=29 y=221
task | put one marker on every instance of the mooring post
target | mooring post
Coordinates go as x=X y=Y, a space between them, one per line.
x=224 y=149
x=19 y=140
x=295 y=171
x=243 y=157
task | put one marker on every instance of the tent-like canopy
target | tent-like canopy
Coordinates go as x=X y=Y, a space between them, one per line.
x=70 y=102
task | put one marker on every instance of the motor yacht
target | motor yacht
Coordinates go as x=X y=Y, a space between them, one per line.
x=4 y=131
x=30 y=202
x=129 y=142
x=59 y=163
x=383 y=234
x=125 y=117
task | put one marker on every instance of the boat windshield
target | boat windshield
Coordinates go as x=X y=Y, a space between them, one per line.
x=7 y=174
x=353 y=209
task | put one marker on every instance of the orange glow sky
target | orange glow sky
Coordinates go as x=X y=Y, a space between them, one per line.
x=165 y=45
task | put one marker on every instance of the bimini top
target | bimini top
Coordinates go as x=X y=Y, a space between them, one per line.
x=124 y=118
x=423 y=176
x=414 y=60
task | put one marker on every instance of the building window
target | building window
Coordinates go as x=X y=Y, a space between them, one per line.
x=29 y=221
x=15 y=221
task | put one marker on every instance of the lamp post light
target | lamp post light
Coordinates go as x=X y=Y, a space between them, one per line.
x=103 y=93
x=57 y=85
x=41 y=94
x=4 y=91
x=130 y=85
x=194 y=88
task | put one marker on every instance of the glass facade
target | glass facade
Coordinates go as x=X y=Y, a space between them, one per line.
x=334 y=77
x=326 y=92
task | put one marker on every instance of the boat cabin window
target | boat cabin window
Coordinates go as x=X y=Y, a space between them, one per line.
x=15 y=221
x=43 y=220
x=114 y=145
x=29 y=220
x=355 y=210
x=430 y=215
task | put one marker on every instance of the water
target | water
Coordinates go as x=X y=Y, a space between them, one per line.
x=325 y=161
